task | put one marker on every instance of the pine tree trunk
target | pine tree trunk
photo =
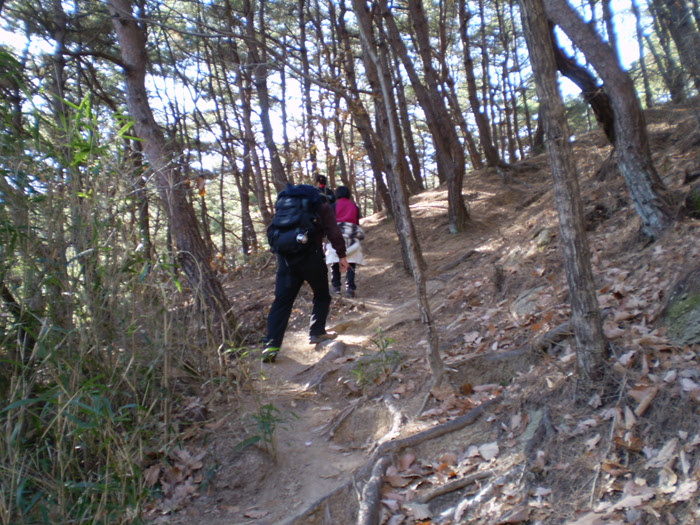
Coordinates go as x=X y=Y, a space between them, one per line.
x=258 y=60
x=482 y=124
x=673 y=75
x=648 y=97
x=585 y=315
x=686 y=36
x=631 y=143
x=370 y=141
x=194 y=255
x=397 y=186
x=449 y=152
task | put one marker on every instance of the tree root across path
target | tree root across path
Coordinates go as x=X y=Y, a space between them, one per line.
x=369 y=476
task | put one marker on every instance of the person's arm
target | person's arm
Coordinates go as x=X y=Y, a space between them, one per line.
x=331 y=229
x=334 y=235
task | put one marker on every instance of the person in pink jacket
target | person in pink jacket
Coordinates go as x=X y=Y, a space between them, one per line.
x=347 y=214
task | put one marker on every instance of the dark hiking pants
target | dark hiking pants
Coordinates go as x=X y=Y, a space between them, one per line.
x=311 y=268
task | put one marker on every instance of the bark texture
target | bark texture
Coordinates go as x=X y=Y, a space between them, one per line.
x=585 y=315
x=647 y=190
x=194 y=255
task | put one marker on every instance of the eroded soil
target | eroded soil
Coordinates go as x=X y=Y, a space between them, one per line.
x=541 y=452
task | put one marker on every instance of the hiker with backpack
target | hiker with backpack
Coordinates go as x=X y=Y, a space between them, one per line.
x=347 y=213
x=324 y=190
x=302 y=219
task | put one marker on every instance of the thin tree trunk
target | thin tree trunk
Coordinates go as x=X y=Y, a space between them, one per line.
x=648 y=97
x=686 y=36
x=257 y=60
x=458 y=116
x=482 y=123
x=449 y=150
x=287 y=148
x=673 y=75
x=585 y=314
x=309 y=127
x=610 y=28
x=416 y=183
x=370 y=141
x=383 y=117
x=397 y=187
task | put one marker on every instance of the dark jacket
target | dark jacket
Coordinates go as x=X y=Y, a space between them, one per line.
x=330 y=229
x=326 y=193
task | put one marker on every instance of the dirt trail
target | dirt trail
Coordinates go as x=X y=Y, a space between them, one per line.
x=328 y=427
x=539 y=453
x=325 y=428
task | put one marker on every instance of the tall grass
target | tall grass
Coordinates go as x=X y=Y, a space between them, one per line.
x=91 y=330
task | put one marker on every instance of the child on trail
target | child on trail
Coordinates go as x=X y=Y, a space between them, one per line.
x=347 y=213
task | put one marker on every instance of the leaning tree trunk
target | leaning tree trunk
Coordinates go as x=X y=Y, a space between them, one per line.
x=399 y=194
x=585 y=315
x=194 y=255
x=449 y=152
x=631 y=142
x=360 y=114
x=592 y=93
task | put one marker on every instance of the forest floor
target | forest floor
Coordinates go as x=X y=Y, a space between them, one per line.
x=520 y=442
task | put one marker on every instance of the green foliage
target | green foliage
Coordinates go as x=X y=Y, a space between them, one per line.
x=87 y=327
x=379 y=363
x=70 y=454
x=267 y=420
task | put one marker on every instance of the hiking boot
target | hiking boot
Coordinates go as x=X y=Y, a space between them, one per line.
x=269 y=354
x=350 y=293
x=335 y=290
x=315 y=339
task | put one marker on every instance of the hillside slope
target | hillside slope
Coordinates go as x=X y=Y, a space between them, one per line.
x=524 y=446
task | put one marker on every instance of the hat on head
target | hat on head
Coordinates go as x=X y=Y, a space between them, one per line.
x=321 y=179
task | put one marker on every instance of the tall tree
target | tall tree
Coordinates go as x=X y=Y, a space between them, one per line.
x=482 y=123
x=257 y=61
x=448 y=148
x=389 y=146
x=194 y=255
x=685 y=34
x=672 y=74
x=648 y=96
x=397 y=185
x=647 y=190
x=585 y=315
x=370 y=140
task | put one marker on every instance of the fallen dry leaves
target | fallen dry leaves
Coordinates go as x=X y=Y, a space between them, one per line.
x=178 y=478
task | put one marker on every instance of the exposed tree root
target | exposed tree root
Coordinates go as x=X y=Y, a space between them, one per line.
x=369 y=505
x=393 y=447
x=329 y=428
x=376 y=463
x=454 y=485
x=488 y=491
x=556 y=335
x=458 y=261
x=397 y=420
